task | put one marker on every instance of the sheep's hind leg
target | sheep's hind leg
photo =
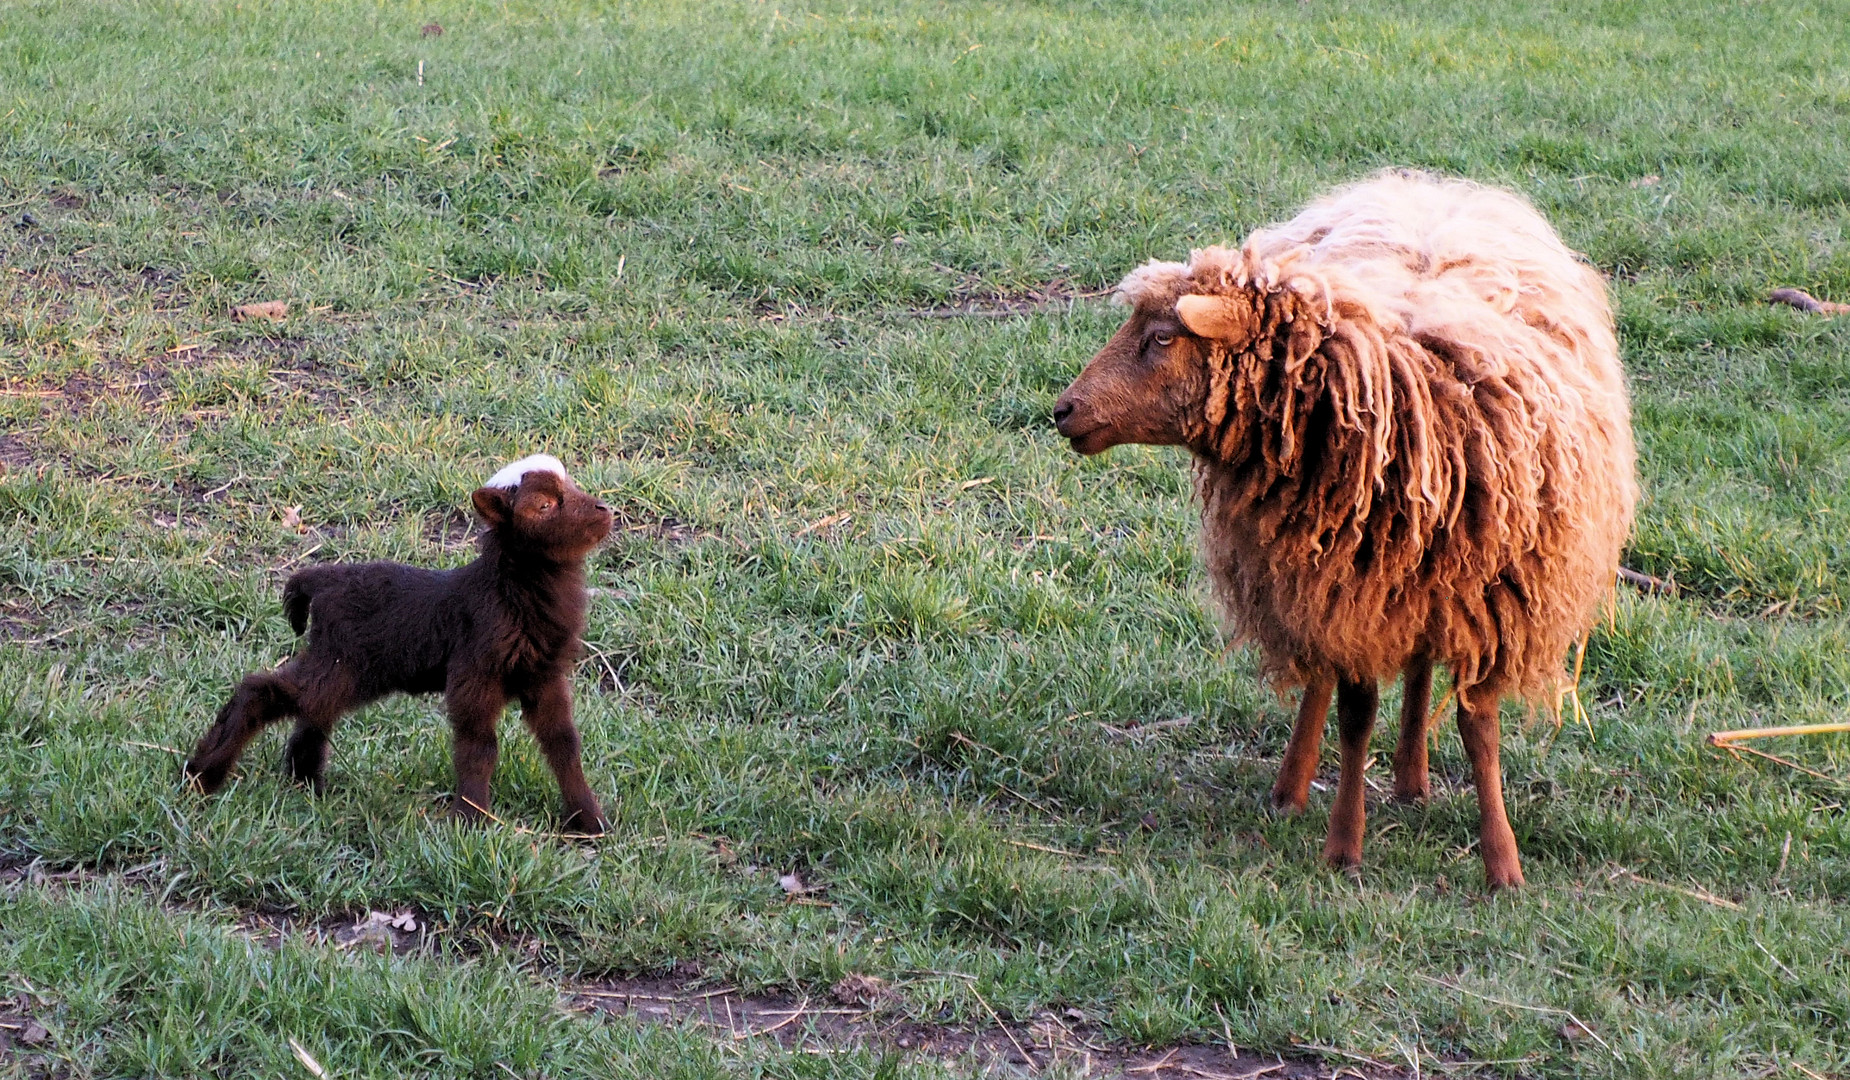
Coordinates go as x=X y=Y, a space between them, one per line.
x=1497 y=843
x=1355 y=719
x=1291 y=792
x=548 y=712
x=260 y=700
x=1411 y=783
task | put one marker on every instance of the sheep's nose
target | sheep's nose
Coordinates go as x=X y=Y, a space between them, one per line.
x=602 y=508
x=1061 y=411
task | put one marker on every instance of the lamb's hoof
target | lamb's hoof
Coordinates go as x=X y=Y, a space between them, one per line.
x=205 y=781
x=464 y=811
x=1417 y=797
x=587 y=822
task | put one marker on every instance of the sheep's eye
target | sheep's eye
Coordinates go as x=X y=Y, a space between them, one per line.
x=1164 y=340
x=544 y=506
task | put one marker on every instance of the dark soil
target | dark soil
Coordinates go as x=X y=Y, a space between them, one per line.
x=858 y=1013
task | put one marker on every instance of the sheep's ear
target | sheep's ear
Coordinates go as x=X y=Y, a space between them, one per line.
x=1219 y=318
x=492 y=504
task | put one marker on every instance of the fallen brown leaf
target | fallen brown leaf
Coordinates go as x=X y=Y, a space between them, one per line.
x=1575 y=1030
x=857 y=989
x=292 y=519
x=274 y=310
x=430 y=30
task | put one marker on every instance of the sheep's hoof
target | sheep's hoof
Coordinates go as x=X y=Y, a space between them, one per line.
x=1500 y=878
x=1413 y=796
x=1282 y=806
x=1343 y=857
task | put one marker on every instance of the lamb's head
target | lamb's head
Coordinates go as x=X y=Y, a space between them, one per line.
x=1151 y=381
x=534 y=509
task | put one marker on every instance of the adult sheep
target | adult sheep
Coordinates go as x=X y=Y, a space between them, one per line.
x=1412 y=445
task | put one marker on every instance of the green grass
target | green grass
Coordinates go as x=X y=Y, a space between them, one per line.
x=684 y=247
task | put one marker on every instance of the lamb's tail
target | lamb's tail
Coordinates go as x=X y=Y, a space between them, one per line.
x=297 y=592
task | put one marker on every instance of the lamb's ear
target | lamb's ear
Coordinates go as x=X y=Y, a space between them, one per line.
x=1218 y=318
x=492 y=504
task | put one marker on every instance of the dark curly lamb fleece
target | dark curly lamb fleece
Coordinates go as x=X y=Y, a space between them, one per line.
x=505 y=627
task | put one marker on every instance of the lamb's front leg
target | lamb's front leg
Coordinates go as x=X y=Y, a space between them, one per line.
x=475 y=711
x=547 y=710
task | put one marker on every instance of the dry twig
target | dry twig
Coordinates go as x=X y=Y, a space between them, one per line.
x=1578 y=1022
x=1697 y=894
x=1645 y=583
x=1728 y=738
x=1806 y=302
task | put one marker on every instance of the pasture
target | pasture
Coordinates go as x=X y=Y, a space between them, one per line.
x=793 y=288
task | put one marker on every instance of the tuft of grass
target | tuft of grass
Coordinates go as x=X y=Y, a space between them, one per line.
x=866 y=618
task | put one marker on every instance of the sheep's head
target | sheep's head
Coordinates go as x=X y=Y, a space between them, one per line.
x=1150 y=383
x=535 y=509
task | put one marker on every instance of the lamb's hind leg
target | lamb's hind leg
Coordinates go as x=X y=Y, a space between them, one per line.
x=1410 y=777
x=1355 y=719
x=319 y=705
x=1291 y=793
x=260 y=700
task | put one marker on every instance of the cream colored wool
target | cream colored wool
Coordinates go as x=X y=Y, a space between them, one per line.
x=1424 y=446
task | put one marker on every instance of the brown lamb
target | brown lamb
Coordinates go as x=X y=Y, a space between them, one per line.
x=505 y=627
x=1412 y=445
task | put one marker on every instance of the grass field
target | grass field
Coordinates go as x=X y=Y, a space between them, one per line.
x=868 y=619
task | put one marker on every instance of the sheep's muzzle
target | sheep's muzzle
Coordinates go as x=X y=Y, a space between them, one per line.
x=1135 y=389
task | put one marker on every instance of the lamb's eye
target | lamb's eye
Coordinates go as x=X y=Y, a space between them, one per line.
x=544 y=506
x=1164 y=340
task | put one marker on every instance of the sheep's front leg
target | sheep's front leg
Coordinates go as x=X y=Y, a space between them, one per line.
x=1496 y=841
x=1411 y=783
x=475 y=710
x=548 y=712
x=1355 y=720
x=1291 y=793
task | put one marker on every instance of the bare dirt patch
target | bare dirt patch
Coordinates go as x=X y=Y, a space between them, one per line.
x=15 y=453
x=24 y=1039
x=858 y=1012
x=973 y=299
x=977 y=299
x=856 y=1015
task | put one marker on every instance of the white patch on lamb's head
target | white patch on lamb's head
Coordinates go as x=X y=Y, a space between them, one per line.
x=510 y=476
x=1152 y=277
